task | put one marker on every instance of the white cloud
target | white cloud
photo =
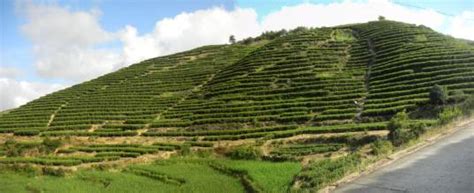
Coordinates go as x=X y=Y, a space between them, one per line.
x=347 y=12
x=189 y=30
x=15 y=93
x=462 y=25
x=136 y=47
x=9 y=72
x=65 y=42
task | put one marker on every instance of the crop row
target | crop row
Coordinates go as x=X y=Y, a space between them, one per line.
x=55 y=161
x=305 y=130
x=220 y=132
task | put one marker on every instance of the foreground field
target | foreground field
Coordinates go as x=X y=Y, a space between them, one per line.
x=175 y=175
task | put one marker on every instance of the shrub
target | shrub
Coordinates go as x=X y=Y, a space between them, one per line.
x=468 y=106
x=59 y=172
x=417 y=129
x=381 y=147
x=396 y=126
x=244 y=152
x=401 y=131
x=449 y=114
x=438 y=95
x=26 y=132
x=11 y=149
x=27 y=169
x=457 y=96
x=50 y=145
x=320 y=173
x=185 y=149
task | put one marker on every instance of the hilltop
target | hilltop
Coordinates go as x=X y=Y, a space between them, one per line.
x=290 y=96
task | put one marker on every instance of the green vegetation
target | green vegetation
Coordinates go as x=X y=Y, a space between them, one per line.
x=438 y=95
x=11 y=147
x=267 y=176
x=318 y=174
x=228 y=118
x=382 y=147
x=401 y=130
x=244 y=152
x=180 y=175
x=449 y=114
x=102 y=181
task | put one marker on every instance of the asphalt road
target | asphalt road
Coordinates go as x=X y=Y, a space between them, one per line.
x=443 y=167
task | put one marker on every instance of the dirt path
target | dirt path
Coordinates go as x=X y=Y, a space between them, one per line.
x=360 y=103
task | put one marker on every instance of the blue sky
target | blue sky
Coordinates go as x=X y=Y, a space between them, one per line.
x=105 y=35
x=16 y=49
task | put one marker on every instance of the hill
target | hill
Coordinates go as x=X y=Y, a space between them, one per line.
x=284 y=96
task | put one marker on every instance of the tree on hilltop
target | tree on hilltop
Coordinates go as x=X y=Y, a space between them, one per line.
x=232 y=39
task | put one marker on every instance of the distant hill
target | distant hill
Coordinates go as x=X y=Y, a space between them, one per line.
x=324 y=76
x=274 y=92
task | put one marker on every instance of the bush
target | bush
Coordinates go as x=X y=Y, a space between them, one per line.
x=418 y=129
x=449 y=114
x=11 y=149
x=27 y=169
x=457 y=96
x=468 y=106
x=396 y=126
x=26 y=132
x=438 y=95
x=244 y=152
x=320 y=173
x=50 y=145
x=401 y=131
x=382 y=147
x=54 y=172
x=185 y=149
x=14 y=148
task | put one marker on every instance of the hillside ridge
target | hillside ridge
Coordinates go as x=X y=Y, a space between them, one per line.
x=351 y=54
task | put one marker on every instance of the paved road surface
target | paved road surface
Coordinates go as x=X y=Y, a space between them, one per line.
x=446 y=166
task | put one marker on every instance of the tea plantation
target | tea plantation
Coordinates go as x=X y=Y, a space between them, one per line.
x=283 y=112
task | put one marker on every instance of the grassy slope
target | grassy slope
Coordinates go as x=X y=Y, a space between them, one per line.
x=269 y=176
x=311 y=77
x=297 y=89
x=198 y=175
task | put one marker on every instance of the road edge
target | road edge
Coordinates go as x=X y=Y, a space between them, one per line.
x=431 y=137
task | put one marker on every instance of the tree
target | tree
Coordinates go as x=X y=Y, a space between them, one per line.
x=232 y=39
x=299 y=29
x=438 y=95
x=381 y=18
x=248 y=40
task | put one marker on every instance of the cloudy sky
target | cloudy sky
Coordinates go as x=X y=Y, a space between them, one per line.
x=49 y=45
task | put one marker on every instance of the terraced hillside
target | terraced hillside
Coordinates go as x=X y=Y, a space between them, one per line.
x=301 y=96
